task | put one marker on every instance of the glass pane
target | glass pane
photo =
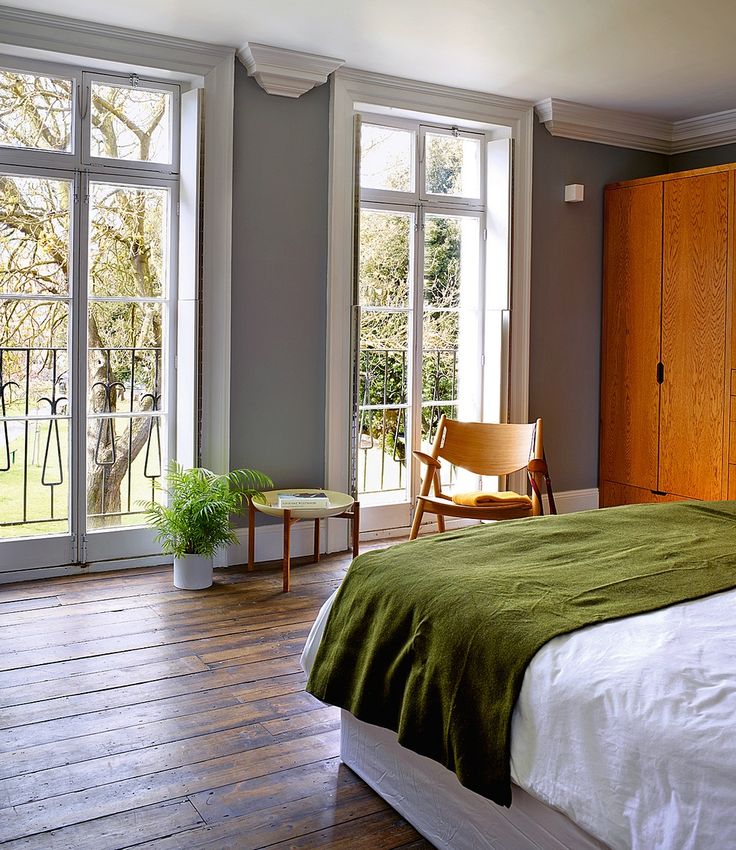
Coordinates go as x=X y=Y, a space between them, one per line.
x=452 y=261
x=453 y=165
x=125 y=456
x=34 y=235
x=124 y=351
x=35 y=111
x=34 y=477
x=34 y=370
x=130 y=123
x=386 y=158
x=128 y=241
x=385 y=259
x=382 y=476
x=442 y=240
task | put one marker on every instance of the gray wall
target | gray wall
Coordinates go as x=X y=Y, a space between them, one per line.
x=703 y=158
x=279 y=282
x=567 y=278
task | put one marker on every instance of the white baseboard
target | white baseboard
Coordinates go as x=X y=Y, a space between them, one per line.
x=269 y=544
x=569 y=501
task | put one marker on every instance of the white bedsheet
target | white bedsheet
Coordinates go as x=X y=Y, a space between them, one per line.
x=629 y=727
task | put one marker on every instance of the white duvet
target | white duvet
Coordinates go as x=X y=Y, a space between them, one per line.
x=629 y=727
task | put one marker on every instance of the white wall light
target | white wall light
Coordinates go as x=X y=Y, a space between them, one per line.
x=574 y=193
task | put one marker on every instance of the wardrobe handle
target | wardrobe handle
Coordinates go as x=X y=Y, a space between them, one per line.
x=660 y=373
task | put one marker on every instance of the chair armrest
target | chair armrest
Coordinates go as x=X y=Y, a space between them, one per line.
x=426 y=459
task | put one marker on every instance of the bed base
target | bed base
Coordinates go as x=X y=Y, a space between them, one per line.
x=448 y=815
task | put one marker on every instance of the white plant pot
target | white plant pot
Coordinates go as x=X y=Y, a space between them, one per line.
x=192 y=572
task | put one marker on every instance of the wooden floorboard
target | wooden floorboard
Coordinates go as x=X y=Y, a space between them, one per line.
x=133 y=714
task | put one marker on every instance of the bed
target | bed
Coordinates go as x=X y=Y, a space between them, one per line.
x=623 y=732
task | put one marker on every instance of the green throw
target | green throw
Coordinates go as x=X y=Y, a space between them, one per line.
x=432 y=638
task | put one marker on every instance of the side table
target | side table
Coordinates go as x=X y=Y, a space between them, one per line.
x=341 y=506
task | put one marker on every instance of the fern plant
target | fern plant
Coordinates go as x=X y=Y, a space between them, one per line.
x=196 y=520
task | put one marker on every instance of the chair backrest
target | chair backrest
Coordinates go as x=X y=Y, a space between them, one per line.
x=488 y=448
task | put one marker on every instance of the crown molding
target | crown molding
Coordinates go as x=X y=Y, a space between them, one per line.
x=631 y=130
x=605 y=126
x=705 y=131
x=289 y=73
x=20 y=28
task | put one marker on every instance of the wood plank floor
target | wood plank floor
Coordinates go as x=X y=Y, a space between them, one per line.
x=133 y=714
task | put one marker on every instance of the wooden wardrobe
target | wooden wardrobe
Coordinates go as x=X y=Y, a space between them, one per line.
x=667 y=415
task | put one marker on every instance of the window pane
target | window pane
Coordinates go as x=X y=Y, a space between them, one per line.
x=35 y=112
x=34 y=235
x=131 y=123
x=125 y=457
x=34 y=391
x=34 y=477
x=124 y=350
x=383 y=276
x=382 y=476
x=386 y=158
x=453 y=165
x=128 y=236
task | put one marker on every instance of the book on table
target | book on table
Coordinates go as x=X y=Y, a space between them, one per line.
x=308 y=499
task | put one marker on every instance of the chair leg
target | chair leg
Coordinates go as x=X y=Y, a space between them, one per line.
x=440 y=523
x=418 y=513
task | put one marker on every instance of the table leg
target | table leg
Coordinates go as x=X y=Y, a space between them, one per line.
x=356 y=529
x=287 y=551
x=251 y=535
x=316 y=541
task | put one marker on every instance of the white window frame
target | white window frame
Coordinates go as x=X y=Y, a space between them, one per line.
x=420 y=204
x=38 y=157
x=207 y=69
x=351 y=92
x=128 y=165
x=44 y=555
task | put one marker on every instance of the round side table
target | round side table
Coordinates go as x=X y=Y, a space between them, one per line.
x=341 y=505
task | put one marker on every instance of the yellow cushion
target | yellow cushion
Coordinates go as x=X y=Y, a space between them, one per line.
x=479 y=499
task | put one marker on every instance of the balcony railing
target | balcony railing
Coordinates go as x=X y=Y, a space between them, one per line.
x=34 y=426
x=383 y=406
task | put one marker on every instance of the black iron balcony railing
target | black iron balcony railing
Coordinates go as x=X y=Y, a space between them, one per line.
x=35 y=411
x=383 y=406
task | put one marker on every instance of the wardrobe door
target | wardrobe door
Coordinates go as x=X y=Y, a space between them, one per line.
x=694 y=335
x=632 y=264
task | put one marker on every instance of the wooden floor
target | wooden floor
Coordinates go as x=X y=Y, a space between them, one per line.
x=133 y=714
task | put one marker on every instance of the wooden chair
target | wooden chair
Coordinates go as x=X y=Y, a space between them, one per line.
x=484 y=449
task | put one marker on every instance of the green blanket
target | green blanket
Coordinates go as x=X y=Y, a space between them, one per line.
x=432 y=638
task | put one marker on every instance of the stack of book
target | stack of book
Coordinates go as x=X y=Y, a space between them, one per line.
x=310 y=500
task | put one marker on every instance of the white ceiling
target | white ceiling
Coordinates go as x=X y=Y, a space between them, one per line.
x=667 y=58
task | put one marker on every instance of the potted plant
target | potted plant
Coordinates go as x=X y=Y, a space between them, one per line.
x=196 y=521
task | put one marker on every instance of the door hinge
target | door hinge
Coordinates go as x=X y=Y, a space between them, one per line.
x=485 y=234
x=83 y=550
x=660 y=373
x=178 y=208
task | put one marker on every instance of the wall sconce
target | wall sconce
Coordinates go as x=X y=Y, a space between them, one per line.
x=574 y=193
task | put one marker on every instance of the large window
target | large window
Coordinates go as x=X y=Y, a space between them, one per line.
x=88 y=200
x=430 y=310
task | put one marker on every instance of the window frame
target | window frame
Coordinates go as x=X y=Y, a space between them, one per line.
x=438 y=197
x=128 y=165
x=38 y=157
x=420 y=204
x=81 y=543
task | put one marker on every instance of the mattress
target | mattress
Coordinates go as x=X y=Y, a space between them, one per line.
x=629 y=727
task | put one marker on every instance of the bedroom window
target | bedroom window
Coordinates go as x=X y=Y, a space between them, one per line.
x=430 y=307
x=88 y=209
